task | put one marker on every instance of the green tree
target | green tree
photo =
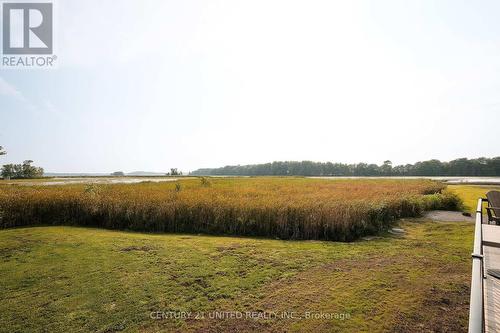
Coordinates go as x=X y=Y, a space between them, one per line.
x=8 y=171
x=386 y=168
x=29 y=171
x=25 y=170
x=2 y=151
x=460 y=167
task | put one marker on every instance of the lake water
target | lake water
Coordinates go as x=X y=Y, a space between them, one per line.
x=448 y=180
x=157 y=179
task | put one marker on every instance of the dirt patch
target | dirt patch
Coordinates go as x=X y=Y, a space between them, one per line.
x=137 y=248
x=443 y=304
x=231 y=247
x=423 y=305
x=25 y=245
x=228 y=250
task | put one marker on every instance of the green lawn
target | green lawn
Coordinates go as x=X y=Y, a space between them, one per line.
x=470 y=194
x=69 y=279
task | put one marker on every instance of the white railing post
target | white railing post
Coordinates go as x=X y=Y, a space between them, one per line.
x=476 y=313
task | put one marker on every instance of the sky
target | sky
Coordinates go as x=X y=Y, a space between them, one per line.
x=153 y=85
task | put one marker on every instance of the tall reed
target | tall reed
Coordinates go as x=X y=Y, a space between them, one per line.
x=285 y=208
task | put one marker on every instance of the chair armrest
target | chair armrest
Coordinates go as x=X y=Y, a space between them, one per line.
x=492 y=215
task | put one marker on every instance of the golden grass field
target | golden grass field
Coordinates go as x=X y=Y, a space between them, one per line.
x=284 y=208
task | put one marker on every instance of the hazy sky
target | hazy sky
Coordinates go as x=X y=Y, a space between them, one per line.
x=149 y=85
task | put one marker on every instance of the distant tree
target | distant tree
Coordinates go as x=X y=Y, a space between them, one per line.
x=386 y=168
x=174 y=172
x=18 y=171
x=118 y=173
x=459 y=167
x=2 y=151
x=430 y=168
x=25 y=170
x=8 y=171
x=29 y=171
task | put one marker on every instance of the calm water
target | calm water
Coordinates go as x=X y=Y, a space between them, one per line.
x=448 y=180
x=133 y=180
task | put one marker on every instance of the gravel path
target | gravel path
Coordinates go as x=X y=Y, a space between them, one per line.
x=445 y=215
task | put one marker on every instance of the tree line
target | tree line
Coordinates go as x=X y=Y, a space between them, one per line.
x=459 y=167
x=19 y=171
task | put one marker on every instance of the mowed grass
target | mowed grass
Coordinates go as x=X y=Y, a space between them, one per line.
x=70 y=279
x=471 y=193
x=284 y=208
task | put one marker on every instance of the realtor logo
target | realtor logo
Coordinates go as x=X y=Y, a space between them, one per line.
x=27 y=35
x=27 y=28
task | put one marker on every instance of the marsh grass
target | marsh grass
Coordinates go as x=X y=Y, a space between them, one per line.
x=285 y=208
